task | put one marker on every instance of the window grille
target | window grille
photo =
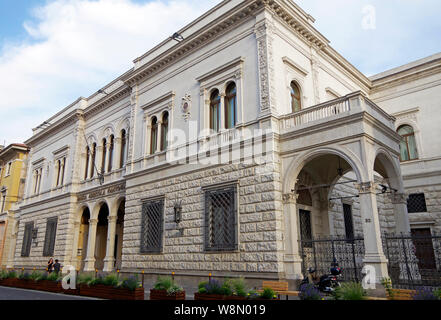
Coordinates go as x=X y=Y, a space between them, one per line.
x=27 y=239
x=49 y=240
x=416 y=203
x=221 y=219
x=152 y=226
x=349 y=225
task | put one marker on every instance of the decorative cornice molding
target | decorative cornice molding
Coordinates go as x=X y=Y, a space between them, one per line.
x=66 y=121
x=295 y=66
x=225 y=67
x=112 y=98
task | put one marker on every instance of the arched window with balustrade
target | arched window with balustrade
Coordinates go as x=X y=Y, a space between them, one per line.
x=296 y=103
x=408 y=147
x=215 y=101
x=122 y=160
x=164 y=131
x=230 y=106
x=154 y=136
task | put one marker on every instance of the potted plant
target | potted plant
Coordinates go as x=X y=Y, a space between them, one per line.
x=165 y=288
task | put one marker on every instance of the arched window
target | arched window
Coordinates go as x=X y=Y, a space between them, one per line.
x=93 y=159
x=164 y=131
x=111 y=147
x=86 y=173
x=408 y=148
x=296 y=103
x=103 y=159
x=122 y=160
x=58 y=172
x=230 y=106
x=154 y=136
x=215 y=111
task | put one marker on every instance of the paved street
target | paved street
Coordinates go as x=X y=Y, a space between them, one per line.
x=7 y=293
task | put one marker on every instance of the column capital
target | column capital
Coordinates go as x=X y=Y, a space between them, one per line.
x=93 y=221
x=112 y=219
x=290 y=198
x=398 y=198
x=366 y=187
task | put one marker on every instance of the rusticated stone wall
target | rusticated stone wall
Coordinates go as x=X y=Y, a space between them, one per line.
x=259 y=218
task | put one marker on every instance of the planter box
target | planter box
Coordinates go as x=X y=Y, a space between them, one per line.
x=162 y=295
x=10 y=283
x=111 y=293
x=43 y=285
x=204 y=296
x=46 y=285
x=400 y=294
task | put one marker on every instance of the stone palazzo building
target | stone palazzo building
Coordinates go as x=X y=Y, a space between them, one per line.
x=220 y=151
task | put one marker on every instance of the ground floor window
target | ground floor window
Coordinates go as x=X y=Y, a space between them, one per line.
x=221 y=219
x=152 y=226
x=49 y=240
x=416 y=203
x=27 y=239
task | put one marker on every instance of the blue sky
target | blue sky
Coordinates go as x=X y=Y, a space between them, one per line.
x=53 y=51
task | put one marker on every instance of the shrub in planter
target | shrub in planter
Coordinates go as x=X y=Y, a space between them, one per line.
x=350 y=291
x=166 y=289
x=309 y=292
x=268 y=294
x=107 y=288
x=426 y=293
x=215 y=290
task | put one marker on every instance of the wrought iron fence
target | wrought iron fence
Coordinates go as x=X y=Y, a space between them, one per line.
x=414 y=259
x=319 y=253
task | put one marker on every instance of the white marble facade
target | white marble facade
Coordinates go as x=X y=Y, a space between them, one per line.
x=262 y=47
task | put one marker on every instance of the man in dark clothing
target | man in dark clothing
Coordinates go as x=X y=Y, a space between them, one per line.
x=57 y=266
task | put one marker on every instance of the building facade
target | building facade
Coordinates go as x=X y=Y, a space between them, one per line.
x=221 y=153
x=12 y=179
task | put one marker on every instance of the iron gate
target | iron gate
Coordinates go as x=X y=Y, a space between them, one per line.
x=414 y=259
x=319 y=254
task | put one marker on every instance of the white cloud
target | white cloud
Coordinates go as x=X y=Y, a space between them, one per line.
x=405 y=30
x=75 y=47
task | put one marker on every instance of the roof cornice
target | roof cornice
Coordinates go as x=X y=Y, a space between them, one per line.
x=220 y=26
x=66 y=121
x=111 y=98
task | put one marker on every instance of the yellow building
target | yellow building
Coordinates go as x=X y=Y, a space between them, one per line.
x=12 y=181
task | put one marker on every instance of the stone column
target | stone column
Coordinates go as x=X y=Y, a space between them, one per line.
x=222 y=112
x=292 y=258
x=374 y=255
x=99 y=157
x=90 y=259
x=106 y=161
x=109 y=260
x=117 y=154
x=159 y=137
x=91 y=164
x=401 y=215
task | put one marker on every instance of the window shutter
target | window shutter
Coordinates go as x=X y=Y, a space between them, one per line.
x=152 y=225
x=27 y=240
x=49 y=241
